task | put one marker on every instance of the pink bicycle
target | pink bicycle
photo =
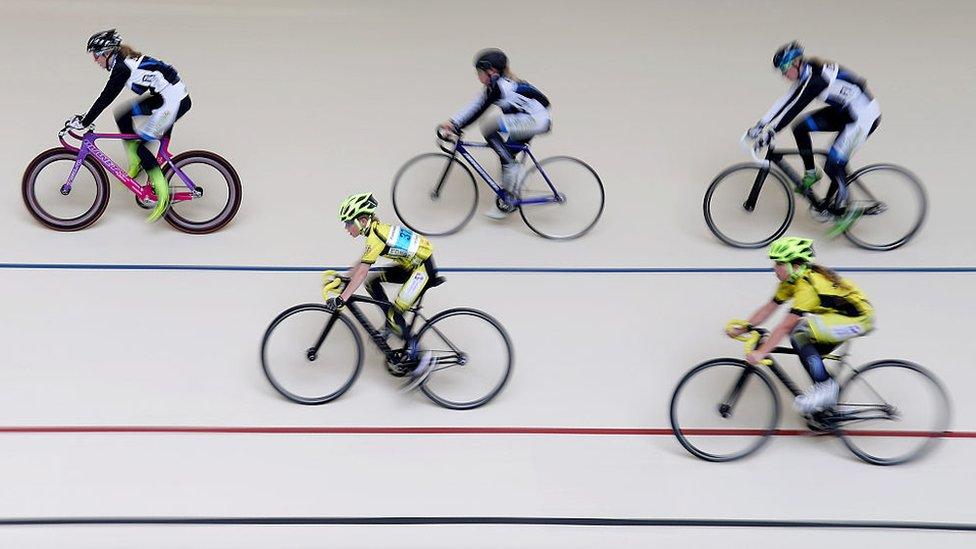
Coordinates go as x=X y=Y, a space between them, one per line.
x=63 y=197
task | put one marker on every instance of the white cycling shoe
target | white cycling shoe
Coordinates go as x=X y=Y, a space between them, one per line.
x=421 y=372
x=820 y=396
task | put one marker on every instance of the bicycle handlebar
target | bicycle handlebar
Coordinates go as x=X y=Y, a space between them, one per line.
x=752 y=146
x=752 y=337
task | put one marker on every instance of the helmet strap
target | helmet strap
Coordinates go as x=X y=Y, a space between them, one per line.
x=795 y=273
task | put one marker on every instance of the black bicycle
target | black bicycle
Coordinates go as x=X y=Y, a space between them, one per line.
x=312 y=354
x=751 y=204
x=888 y=412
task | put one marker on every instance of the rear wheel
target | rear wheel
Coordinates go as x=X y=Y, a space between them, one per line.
x=217 y=204
x=895 y=204
x=896 y=411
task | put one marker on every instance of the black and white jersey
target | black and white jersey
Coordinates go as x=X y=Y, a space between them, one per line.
x=830 y=83
x=140 y=75
x=511 y=96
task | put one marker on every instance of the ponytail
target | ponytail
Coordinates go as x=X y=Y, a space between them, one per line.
x=830 y=275
x=127 y=52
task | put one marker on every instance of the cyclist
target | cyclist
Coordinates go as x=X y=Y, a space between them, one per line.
x=413 y=266
x=167 y=102
x=826 y=310
x=525 y=114
x=851 y=110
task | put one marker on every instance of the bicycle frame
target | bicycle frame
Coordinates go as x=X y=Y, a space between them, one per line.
x=143 y=192
x=832 y=419
x=776 y=157
x=461 y=147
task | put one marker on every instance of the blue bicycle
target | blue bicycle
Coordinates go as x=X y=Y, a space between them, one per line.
x=436 y=193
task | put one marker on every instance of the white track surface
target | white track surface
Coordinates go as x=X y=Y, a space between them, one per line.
x=314 y=100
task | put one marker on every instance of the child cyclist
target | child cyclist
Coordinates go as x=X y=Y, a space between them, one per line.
x=525 y=114
x=168 y=100
x=413 y=267
x=826 y=310
x=851 y=111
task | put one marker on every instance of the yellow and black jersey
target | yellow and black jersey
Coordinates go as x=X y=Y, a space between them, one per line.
x=815 y=293
x=397 y=243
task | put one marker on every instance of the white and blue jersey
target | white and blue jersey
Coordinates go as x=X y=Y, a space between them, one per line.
x=511 y=96
x=142 y=74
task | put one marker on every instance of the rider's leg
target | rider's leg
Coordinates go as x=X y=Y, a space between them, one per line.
x=411 y=291
x=136 y=152
x=828 y=119
x=160 y=123
x=374 y=287
x=814 y=336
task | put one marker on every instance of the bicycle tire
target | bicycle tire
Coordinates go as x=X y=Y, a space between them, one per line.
x=230 y=207
x=399 y=194
x=857 y=185
x=764 y=240
x=528 y=211
x=683 y=434
x=76 y=223
x=929 y=436
x=279 y=385
x=432 y=327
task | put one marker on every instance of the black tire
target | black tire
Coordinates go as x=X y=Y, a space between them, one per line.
x=227 y=187
x=769 y=232
x=437 y=336
x=296 y=351
x=892 y=387
x=89 y=213
x=427 y=210
x=572 y=192
x=686 y=433
x=905 y=209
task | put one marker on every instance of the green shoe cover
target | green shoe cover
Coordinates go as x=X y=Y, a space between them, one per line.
x=161 y=186
x=135 y=164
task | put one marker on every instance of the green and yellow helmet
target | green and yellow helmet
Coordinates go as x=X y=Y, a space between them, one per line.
x=792 y=249
x=356 y=206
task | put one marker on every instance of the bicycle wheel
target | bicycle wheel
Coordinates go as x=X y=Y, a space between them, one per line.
x=896 y=206
x=570 y=202
x=474 y=358
x=724 y=409
x=728 y=217
x=434 y=194
x=42 y=184
x=896 y=411
x=221 y=196
x=320 y=378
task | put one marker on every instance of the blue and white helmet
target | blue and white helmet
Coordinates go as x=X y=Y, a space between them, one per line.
x=785 y=56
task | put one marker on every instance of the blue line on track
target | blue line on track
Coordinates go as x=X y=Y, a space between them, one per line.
x=508 y=270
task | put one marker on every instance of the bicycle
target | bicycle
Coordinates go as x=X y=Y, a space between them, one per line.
x=726 y=403
x=73 y=206
x=300 y=366
x=427 y=189
x=748 y=205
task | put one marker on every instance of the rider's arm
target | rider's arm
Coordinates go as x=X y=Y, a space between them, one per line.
x=356 y=277
x=763 y=313
x=114 y=86
x=782 y=330
x=804 y=90
x=478 y=106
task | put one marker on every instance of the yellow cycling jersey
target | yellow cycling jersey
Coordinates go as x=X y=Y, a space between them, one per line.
x=815 y=293
x=400 y=244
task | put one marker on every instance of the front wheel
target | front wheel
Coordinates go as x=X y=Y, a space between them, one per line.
x=218 y=197
x=52 y=202
x=306 y=366
x=724 y=409
x=895 y=206
x=748 y=206
x=434 y=194
x=561 y=198
x=891 y=412
x=473 y=358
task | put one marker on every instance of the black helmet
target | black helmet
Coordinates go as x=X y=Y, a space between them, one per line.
x=104 y=41
x=491 y=58
x=785 y=55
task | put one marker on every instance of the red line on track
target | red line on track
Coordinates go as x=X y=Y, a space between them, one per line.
x=604 y=431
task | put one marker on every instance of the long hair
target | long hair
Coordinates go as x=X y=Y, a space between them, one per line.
x=830 y=275
x=127 y=51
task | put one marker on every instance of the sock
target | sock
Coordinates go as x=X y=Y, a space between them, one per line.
x=131 y=148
